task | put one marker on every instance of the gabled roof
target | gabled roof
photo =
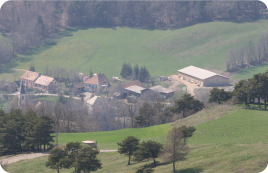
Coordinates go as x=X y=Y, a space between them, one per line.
x=159 y=88
x=132 y=83
x=79 y=85
x=44 y=80
x=136 y=89
x=98 y=79
x=96 y=100
x=199 y=72
x=30 y=75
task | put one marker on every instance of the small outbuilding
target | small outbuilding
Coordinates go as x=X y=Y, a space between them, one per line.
x=165 y=93
x=202 y=77
x=91 y=143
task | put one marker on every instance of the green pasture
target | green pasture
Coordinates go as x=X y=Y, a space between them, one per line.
x=249 y=72
x=108 y=139
x=228 y=139
x=163 y=52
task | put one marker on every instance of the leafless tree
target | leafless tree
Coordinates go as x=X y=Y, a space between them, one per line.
x=175 y=149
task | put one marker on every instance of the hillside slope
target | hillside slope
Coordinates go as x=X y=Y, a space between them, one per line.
x=163 y=52
x=235 y=140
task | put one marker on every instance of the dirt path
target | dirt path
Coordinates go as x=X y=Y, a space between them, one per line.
x=19 y=69
x=17 y=158
x=190 y=86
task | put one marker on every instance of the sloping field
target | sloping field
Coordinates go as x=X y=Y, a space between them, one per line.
x=234 y=140
x=163 y=52
x=249 y=72
x=108 y=139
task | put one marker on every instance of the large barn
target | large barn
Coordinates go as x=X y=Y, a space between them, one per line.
x=202 y=77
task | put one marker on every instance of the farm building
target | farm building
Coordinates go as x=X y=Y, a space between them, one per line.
x=202 y=77
x=45 y=83
x=165 y=93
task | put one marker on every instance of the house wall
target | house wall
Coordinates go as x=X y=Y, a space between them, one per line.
x=28 y=83
x=212 y=81
x=190 y=78
x=216 y=81
x=90 y=87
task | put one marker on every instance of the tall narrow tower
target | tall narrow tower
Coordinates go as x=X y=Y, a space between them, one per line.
x=22 y=95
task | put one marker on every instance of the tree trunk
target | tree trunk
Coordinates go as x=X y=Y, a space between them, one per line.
x=124 y=122
x=128 y=160
x=259 y=102
x=174 y=170
x=58 y=170
x=265 y=103
x=154 y=161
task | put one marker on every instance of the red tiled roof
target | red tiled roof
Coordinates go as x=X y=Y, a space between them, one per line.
x=132 y=83
x=79 y=85
x=30 y=75
x=98 y=79
x=44 y=80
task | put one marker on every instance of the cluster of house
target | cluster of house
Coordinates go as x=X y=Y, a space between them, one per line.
x=32 y=79
x=130 y=90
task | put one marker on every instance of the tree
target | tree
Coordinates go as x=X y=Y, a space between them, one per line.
x=55 y=158
x=126 y=70
x=187 y=102
x=148 y=150
x=90 y=74
x=32 y=68
x=72 y=148
x=144 y=74
x=128 y=146
x=218 y=95
x=136 y=71
x=175 y=149
x=146 y=113
x=87 y=161
x=186 y=132
x=243 y=92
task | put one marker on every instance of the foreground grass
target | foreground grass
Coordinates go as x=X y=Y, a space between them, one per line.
x=162 y=52
x=227 y=139
x=207 y=158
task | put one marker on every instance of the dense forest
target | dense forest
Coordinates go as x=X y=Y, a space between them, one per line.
x=27 y=24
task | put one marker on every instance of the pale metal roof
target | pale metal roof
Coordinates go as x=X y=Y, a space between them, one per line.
x=198 y=72
x=44 y=80
x=159 y=88
x=136 y=89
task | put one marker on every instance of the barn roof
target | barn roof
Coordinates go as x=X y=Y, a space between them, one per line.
x=198 y=72
x=98 y=79
x=44 y=80
x=30 y=75
x=136 y=89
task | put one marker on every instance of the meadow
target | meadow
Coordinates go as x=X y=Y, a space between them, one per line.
x=227 y=139
x=163 y=52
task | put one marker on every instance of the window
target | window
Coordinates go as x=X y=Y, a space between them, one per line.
x=22 y=98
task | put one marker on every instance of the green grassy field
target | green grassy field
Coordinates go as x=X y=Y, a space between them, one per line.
x=228 y=139
x=163 y=52
x=108 y=139
x=249 y=72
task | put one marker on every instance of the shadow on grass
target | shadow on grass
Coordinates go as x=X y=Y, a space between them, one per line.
x=190 y=170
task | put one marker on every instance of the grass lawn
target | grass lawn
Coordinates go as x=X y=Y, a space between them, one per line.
x=249 y=72
x=108 y=139
x=228 y=139
x=162 y=52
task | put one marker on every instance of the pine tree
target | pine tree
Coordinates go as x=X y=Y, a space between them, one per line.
x=136 y=71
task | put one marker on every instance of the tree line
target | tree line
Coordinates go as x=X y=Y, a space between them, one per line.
x=24 y=132
x=28 y=24
x=250 y=55
x=136 y=73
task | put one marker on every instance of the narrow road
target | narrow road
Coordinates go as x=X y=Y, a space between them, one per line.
x=17 y=158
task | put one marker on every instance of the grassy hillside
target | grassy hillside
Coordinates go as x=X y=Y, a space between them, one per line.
x=249 y=72
x=163 y=52
x=232 y=140
x=108 y=139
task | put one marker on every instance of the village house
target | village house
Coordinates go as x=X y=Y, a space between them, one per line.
x=79 y=87
x=29 y=78
x=97 y=102
x=98 y=81
x=202 y=77
x=45 y=83
x=165 y=93
x=129 y=88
